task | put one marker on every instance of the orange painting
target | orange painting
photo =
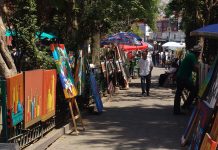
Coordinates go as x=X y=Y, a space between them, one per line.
x=15 y=98
x=33 y=96
x=49 y=94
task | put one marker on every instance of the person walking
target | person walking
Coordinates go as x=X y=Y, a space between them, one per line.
x=184 y=79
x=145 y=66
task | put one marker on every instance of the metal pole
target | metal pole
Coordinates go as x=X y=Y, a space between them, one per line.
x=145 y=34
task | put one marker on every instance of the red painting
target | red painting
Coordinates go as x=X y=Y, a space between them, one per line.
x=33 y=96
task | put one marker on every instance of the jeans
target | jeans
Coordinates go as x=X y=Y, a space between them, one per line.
x=145 y=86
x=181 y=84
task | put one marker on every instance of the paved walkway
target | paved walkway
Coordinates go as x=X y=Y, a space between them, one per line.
x=131 y=122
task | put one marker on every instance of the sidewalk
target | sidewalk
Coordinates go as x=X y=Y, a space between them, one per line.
x=131 y=122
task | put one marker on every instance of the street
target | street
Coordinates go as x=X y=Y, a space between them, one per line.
x=131 y=122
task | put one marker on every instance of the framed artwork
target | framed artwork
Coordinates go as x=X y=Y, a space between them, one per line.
x=64 y=70
x=15 y=98
x=204 y=85
x=202 y=121
x=208 y=143
x=212 y=93
x=49 y=94
x=214 y=130
x=33 y=96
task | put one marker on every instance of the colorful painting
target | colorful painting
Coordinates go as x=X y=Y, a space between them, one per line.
x=212 y=94
x=204 y=85
x=214 y=130
x=49 y=94
x=190 y=126
x=79 y=73
x=15 y=98
x=204 y=116
x=64 y=70
x=33 y=96
x=208 y=143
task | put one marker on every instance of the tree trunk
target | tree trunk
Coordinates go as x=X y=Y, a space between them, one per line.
x=95 y=46
x=7 y=65
x=72 y=23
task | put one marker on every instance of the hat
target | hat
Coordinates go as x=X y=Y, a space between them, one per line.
x=197 y=48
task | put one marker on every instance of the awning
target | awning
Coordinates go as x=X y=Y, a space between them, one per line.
x=124 y=47
x=210 y=31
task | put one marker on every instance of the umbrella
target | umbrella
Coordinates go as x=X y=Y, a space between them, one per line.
x=127 y=38
x=173 y=45
x=207 y=31
x=127 y=48
x=150 y=47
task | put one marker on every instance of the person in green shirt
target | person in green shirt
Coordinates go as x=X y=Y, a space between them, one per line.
x=184 y=79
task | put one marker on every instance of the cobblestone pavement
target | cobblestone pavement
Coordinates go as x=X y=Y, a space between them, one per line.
x=131 y=122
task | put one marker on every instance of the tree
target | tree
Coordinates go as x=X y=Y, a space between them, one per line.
x=7 y=66
x=196 y=13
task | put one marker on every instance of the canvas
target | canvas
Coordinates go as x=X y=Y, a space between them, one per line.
x=15 y=98
x=63 y=68
x=33 y=96
x=49 y=94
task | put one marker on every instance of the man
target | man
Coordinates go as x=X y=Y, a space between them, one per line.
x=184 y=79
x=145 y=66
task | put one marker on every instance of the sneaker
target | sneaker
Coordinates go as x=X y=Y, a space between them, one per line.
x=148 y=94
x=143 y=94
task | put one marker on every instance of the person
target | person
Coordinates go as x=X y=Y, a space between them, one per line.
x=145 y=66
x=168 y=73
x=131 y=67
x=163 y=59
x=153 y=58
x=184 y=79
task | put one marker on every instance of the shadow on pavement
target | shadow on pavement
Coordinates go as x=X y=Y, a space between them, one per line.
x=137 y=128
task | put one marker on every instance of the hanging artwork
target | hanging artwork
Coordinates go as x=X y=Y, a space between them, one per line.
x=33 y=96
x=64 y=70
x=79 y=73
x=212 y=92
x=208 y=143
x=202 y=121
x=203 y=88
x=15 y=99
x=214 y=130
x=49 y=94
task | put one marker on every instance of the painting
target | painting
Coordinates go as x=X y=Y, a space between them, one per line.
x=204 y=116
x=79 y=73
x=207 y=80
x=64 y=70
x=49 y=94
x=212 y=94
x=208 y=143
x=214 y=130
x=33 y=96
x=15 y=99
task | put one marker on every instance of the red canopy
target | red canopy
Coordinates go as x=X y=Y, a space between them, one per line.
x=133 y=47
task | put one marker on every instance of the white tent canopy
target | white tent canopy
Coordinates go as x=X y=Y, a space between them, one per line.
x=173 y=45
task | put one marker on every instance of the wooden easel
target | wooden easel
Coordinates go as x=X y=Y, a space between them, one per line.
x=75 y=115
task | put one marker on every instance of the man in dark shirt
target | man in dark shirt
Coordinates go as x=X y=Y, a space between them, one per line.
x=184 y=79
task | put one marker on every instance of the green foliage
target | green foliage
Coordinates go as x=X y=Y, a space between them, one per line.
x=135 y=29
x=196 y=13
x=24 y=21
